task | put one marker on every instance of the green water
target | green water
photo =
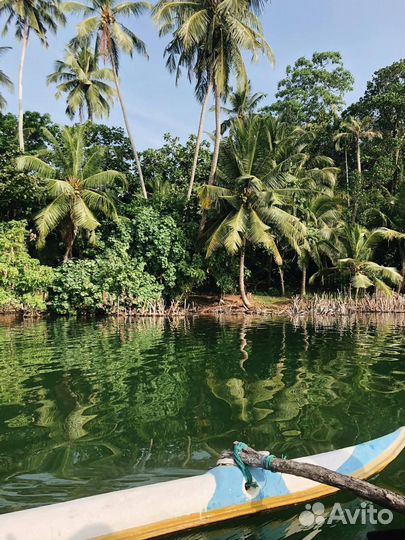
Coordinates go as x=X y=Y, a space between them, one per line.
x=90 y=407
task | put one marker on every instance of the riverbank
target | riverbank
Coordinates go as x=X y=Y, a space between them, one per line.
x=208 y=304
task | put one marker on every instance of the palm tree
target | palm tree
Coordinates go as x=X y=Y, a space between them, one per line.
x=111 y=38
x=355 y=131
x=242 y=104
x=355 y=247
x=248 y=203
x=75 y=182
x=29 y=16
x=4 y=81
x=79 y=76
x=209 y=37
x=321 y=216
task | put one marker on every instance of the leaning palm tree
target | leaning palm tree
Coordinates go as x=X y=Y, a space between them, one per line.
x=29 y=16
x=242 y=104
x=112 y=37
x=248 y=205
x=84 y=83
x=355 y=246
x=76 y=183
x=209 y=37
x=4 y=81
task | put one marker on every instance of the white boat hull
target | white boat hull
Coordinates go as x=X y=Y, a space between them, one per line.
x=220 y=494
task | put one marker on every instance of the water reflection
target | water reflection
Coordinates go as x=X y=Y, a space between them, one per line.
x=89 y=407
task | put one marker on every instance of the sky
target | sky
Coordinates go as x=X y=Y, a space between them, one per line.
x=369 y=34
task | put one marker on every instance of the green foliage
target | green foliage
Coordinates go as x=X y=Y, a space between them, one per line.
x=21 y=195
x=171 y=164
x=76 y=183
x=23 y=280
x=162 y=245
x=109 y=284
x=313 y=89
x=117 y=148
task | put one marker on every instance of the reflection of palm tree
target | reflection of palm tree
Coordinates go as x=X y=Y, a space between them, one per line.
x=243 y=343
x=245 y=397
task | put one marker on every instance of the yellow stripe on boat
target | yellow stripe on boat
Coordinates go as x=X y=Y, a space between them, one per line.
x=150 y=511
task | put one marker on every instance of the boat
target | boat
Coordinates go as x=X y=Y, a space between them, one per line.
x=220 y=494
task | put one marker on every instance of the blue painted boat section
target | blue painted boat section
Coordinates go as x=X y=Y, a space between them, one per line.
x=366 y=453
x=230 y=486
x=230 y=481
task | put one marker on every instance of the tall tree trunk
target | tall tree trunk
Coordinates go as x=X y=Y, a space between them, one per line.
x=131 y=139
x=347 y=176
x=281 y=272
x=358 y=155
x=215 y=155
x=402 y=255
x=70 y=240
x=26 y=35
x=198 y=141
x=304 y=281
x=359 y=183
x=242 y=290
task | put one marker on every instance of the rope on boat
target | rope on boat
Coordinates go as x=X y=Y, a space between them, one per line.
x=239 y=447
x=266 y=462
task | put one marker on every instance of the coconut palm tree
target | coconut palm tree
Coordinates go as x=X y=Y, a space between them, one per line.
x=248 y=203
x=29 y=16
x=355 y=246
x=209 y=37
x=75 y=182
x=112 y=37
x=321 y=216
x=79 y=76
x=4 y=81
x=242 y=104
x=353 y=132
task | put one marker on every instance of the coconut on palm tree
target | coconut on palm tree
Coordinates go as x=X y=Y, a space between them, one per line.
x=209 y=37
x=29 y=16
x=355 y=248
x=76 y=183
x=4 y=81
x=84 y=83
x=112 y=37
x=247 y=206
x=242 y=104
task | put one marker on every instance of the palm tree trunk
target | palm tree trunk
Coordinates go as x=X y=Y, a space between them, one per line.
x=215 y=155
x=242 y=290
x=199 y=138
x=126 y=121
x=26 y=35
x=358 y=157
x=402 y=255
x=359 y=183
x=304 y=281
x=347 y=176
x=70 y=240
x=281 y=272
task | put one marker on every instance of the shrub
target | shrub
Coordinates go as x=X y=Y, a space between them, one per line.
x=109 y=284
x=23 y=280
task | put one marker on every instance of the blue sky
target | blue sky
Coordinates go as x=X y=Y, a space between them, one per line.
x=368 y=33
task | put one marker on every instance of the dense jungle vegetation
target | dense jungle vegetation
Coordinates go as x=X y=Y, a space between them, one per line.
x=303 y=194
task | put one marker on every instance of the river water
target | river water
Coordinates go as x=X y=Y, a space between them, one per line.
x=88 y=407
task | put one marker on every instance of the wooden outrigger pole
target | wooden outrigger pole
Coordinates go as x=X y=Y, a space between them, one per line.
x=361 y=488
